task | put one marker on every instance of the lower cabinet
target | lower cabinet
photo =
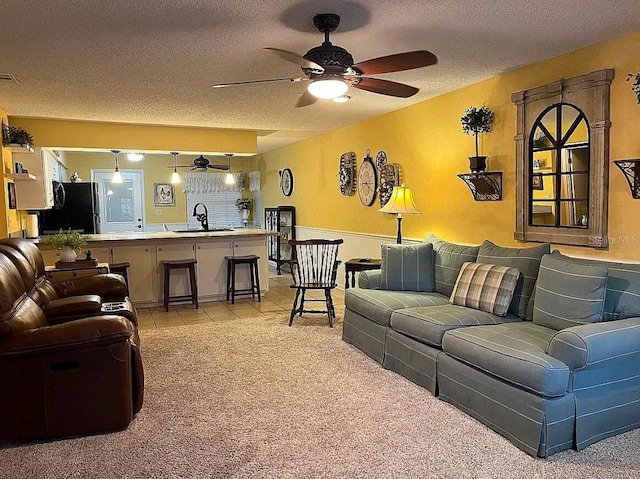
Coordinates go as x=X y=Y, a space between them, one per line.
x=212 y=268
x=142 y=273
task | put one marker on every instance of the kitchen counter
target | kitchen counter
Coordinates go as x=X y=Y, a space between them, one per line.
x=145 y=252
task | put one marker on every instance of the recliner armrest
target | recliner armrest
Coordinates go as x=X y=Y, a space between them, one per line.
x=369 y=279
x=80 y=334
x=60 y=310
x=107 y=286
x=597 y=344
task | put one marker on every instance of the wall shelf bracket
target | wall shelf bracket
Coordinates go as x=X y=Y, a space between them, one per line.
x=631 y=170
x=486 y=186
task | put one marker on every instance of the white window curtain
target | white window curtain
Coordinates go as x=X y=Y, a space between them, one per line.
x=254 y=181
x=208 y=183
x=217 y=196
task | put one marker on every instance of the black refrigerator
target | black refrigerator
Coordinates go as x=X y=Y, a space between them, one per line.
x=77 y=208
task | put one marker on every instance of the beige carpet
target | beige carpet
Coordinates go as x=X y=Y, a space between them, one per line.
x=253 y=398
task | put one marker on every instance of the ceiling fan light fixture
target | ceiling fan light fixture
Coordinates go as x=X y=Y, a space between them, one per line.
x=327 y=89
x=342 y=99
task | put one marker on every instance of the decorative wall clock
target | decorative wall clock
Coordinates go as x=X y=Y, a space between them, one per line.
x=367 y=181
x=381 y=160
x=347 y=174
x=389 y=177
x=286 y=181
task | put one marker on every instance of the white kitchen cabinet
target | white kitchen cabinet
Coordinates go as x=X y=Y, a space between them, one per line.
x=179 y=284
x=212 y=268
x=38 y=194
x=142 y=273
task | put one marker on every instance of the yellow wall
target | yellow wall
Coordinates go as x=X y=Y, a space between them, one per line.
x=427 y=141
x=66 y=134
x=155 y=169
x=14 y=218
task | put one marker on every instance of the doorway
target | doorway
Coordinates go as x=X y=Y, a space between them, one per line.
x=121 y=204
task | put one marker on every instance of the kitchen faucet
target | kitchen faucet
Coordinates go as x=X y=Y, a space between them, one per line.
x=202 y=217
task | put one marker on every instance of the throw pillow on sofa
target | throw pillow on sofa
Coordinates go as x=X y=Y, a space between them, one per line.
x=569 y=294
x=486 y=287
x=407 y=267
x=525 y=260
x=449 y=258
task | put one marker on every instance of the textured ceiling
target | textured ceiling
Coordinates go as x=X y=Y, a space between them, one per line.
x=154 y=61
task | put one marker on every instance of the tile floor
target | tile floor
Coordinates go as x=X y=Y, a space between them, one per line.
x=279 y=299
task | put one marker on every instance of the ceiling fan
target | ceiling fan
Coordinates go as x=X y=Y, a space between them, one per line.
x=331 y=69
x=202 y=163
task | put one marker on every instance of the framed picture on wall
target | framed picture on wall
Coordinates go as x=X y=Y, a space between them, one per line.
x=536 y=182
x=163 y=194
x=12 y=195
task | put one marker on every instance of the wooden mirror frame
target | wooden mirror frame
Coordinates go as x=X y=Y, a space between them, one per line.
x=590 y=93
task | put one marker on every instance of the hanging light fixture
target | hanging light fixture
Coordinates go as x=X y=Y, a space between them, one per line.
x=175 y=177
x=117 y=177
x=229 y=179
x=327 y=88
x=135 y=156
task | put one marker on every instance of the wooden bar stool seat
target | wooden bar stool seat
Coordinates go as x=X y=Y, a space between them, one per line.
x=189 y=264
x=232 y=262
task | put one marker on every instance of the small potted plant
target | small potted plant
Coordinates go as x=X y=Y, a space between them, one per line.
x=244 y=207
x=475 y=121
x=19 y=136
x=68 y=242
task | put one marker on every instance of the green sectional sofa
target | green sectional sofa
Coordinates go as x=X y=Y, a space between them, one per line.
x=557 y=366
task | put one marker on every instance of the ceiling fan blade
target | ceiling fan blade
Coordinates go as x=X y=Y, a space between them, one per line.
x=397 y=62
x=386 y=87
x=295 y=58
x=306 y=99
x=251 y=82
x=218 y=167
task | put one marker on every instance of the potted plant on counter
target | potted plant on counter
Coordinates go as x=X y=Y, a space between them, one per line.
x=244 y=207
x=475 y=121
x=68 y=242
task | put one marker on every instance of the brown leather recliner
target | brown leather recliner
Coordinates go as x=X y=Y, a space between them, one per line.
x=66 y=376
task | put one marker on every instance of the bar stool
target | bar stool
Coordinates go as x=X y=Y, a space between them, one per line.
x=252 y=261
x=121 y=269
x=189 y=264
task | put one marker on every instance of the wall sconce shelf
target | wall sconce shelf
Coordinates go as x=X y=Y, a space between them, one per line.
x=631 y=170
x=485 y=186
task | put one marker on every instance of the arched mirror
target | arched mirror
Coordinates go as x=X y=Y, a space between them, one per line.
x=559 y=168
x=562 y=161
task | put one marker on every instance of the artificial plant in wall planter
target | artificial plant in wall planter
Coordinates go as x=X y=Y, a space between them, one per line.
x=635 y=87
x=476 y=121
x=15 y=136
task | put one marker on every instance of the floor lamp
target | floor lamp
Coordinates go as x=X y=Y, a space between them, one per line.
x=400 y=203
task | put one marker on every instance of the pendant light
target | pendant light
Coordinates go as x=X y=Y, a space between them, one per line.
x=175 y=177
x=117 y=177
x=229 y=179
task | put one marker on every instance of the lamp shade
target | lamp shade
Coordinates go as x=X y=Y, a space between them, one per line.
x=401 y=202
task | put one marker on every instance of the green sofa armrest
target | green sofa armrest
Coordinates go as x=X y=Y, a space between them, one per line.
x=369 y=279
x=597 y=344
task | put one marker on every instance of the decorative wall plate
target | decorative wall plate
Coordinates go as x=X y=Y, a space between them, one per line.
x=367 y=181
x=389 y=177
x=286 y=181
x=381 y=160
x=347 y=174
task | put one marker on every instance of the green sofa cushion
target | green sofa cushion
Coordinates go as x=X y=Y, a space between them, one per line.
x=569 y=294
x=623 y=287
x=525 y=260
x=449 y=258
x=407 y=267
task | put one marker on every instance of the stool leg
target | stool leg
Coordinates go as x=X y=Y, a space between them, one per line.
x=194 y=285
x=257 y=280
x=228 y=278
x=233 y=283
x=167 y=275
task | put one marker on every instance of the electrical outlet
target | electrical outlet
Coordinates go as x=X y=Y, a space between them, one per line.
x=158 y=212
